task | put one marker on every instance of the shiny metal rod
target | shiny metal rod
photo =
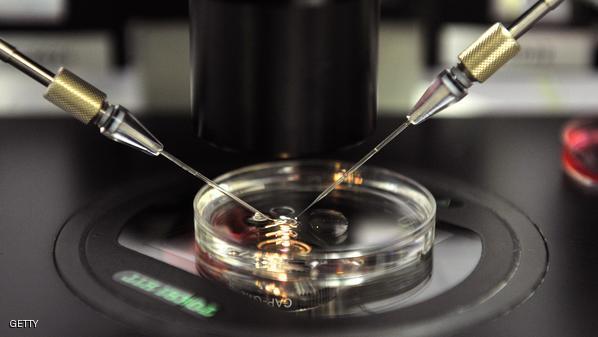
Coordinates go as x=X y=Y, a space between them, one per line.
x=528 y=19
x=12 y=56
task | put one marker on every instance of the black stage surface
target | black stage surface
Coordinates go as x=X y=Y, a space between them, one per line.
x=50 y=168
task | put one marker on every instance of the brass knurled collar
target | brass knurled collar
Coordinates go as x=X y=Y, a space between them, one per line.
x=489 y=53
x=75 y=96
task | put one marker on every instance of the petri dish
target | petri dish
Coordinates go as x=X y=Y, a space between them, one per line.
x=371 y=239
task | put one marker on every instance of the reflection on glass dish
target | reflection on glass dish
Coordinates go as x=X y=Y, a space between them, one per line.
x=166 y=237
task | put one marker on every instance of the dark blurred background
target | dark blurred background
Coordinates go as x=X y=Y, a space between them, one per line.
x=138 y=53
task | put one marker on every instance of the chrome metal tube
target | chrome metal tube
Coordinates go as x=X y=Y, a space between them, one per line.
x=531 y=16
x=11 y=55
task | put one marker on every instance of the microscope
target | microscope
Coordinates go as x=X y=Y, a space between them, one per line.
x=284 y=78
x=289 y=79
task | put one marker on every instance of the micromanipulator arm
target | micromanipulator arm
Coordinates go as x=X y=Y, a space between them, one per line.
x=89 y=105
x=85 y=102
x=478 y=62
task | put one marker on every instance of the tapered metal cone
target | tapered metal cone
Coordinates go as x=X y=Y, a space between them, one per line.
x=441 y=94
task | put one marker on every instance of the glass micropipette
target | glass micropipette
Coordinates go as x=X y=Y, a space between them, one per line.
x=89 y=105
x=215 y=185
x=477 y=63
x=357 y=165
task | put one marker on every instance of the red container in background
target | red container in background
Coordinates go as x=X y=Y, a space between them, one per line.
x=580 y=152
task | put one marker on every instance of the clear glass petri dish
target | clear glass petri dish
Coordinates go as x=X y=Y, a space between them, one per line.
x=371 y=239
